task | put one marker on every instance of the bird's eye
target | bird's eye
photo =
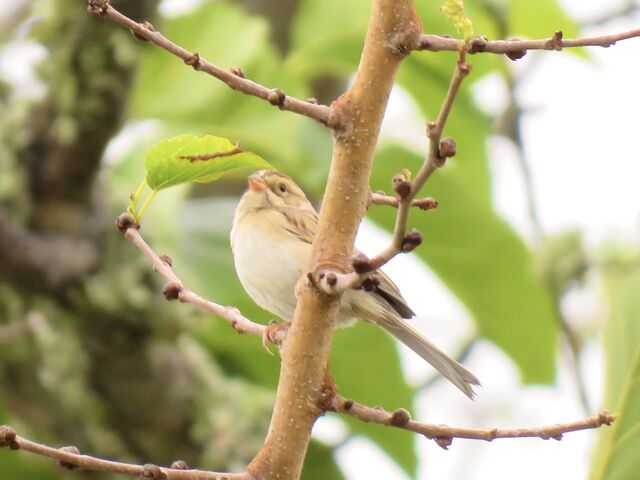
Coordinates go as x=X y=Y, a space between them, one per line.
x=282 y=187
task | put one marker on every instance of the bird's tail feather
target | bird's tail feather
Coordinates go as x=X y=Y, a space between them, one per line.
x=447 y=366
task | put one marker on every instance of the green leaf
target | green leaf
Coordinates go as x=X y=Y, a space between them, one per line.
x=366 y=367
x=454 y=10
x=481 y=260
x=320 y=464
x=616 y=454
x=189 y=158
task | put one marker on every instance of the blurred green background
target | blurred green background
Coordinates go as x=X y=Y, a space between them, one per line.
x=90 y=353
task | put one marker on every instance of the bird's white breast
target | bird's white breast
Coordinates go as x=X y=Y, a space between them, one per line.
x=268 y=261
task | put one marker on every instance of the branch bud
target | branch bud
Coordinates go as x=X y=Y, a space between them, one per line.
x=478 y=44
x=180 y=465
x=518 y=54
x=194 y=61
x=276 y=97
x=369 y=284
x=402 y=183
x=124 y=222
x=400 y=417
x=171 y=290
x=237 y=71
x=444 y=442
x=152 y=472
x=361 y=263
x=447 y=148
x=411 y=241
x=8 y=438
x=69 y=465
x=167 y=259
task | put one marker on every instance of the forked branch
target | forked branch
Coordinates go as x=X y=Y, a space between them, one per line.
x=406 y=190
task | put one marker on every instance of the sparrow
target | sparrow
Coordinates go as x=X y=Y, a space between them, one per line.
x=273 y=227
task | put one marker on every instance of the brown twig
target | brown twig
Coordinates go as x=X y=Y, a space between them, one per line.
x=437 y=43
x=69 y=457
x=175 y=289
x=234 y=78
x=444 y=435
x=402 y=242
x=380 y=198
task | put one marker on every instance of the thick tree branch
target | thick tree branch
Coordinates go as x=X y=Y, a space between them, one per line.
x=444 y=434
x=437 y=43
x=70 y=458
x=234 y=77
x=175 y=289
x=392 y=27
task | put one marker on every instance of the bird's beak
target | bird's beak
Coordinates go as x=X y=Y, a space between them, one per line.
x=256 y=183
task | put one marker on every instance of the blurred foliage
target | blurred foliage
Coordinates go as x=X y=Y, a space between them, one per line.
x=103 y=365
x=617 y=450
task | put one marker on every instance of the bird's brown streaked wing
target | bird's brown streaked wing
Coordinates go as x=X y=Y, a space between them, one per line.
x=390 y=293
x=301 y=224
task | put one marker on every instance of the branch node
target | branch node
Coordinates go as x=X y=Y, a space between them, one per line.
x=171 y=290
x=411 y=241
x=237 y=71
x=180 y=465
x=312 y=100
x=478 y=44
x=276 y=98
x=400 y=417
x=517 y=54
x=124 y=222
x=401 y=185
x=447 y=150
x=8 y=438
x=65 y=464
x=152 y=472
x=370 y=283
x=444 y=442
x=194 y=61
x=606 y=418
x=98 y=7
x=361 y=263
x=167 y=260
x=555 y=42
x=427 y=203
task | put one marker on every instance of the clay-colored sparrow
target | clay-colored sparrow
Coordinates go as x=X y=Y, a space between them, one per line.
x=273 y=228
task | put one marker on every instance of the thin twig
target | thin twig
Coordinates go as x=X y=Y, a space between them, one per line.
x=444 y=435
x=69 y=457
x=437 y=43
x=401 y=241
x=175 y=289
x=380 y=198
x=234 y=77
